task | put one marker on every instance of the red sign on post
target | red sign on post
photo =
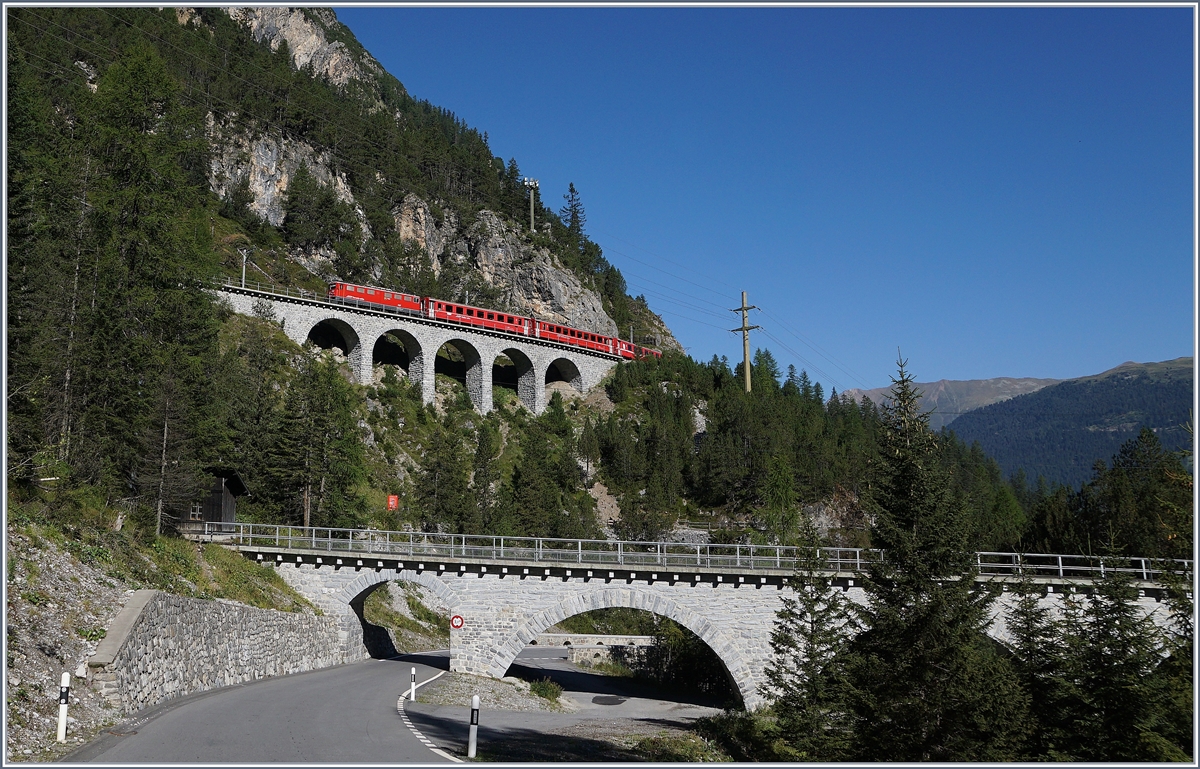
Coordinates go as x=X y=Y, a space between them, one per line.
x=456 y=622
x=393 y=502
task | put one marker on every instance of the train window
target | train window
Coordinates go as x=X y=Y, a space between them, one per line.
x=491 y=316
x=371 y=291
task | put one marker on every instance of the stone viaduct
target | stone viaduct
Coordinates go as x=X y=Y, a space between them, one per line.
x=506 y=603
x=370 y=336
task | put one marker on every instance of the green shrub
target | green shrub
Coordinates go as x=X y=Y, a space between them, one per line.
x=546 y=689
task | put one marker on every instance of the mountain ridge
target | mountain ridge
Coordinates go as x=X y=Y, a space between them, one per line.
x=1060 y=431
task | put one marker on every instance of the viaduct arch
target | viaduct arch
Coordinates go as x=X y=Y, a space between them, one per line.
x=367 y=337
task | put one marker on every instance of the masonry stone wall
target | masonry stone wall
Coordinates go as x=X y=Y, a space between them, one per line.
x=504 y=612
x=362 y=329
x=174 y=646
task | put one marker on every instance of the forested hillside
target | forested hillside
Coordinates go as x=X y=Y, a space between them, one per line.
x=127 y=379
x=1061 y=431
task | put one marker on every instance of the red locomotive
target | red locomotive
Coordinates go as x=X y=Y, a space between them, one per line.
x=493 y=320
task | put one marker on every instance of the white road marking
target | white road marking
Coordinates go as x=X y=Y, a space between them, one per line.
x=417 y=732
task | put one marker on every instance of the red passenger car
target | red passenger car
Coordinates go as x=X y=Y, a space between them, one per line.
x=375 y=296
x=476 y=316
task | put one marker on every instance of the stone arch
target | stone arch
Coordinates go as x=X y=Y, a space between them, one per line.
x=349 y=600
x=369 y=580
x=526 y=375
x=328 y=332
x=411 y=358
x=739 y=669
x=564 y=370
x=473 y=374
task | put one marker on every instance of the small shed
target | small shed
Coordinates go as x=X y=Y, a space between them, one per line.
x=220 y=506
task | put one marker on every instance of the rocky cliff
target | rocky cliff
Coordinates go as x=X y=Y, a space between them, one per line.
x=527 y=277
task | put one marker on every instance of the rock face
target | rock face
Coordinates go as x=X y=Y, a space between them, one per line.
x=268 y=162
x=305 y=33
x=532 y=281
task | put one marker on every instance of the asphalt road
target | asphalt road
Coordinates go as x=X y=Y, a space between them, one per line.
x=347 y=714
x=344 y=714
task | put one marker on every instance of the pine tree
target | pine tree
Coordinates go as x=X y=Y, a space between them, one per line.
x=1043 y=669
x=780 y=513
x=806 y=678
x=442 y=481
x=1126 y=707
x=572 y=215
x=483 y=480
x=930 y=685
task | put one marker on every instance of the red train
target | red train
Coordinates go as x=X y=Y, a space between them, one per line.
x=492 y=320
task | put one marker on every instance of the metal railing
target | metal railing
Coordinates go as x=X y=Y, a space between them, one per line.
x=632 y=555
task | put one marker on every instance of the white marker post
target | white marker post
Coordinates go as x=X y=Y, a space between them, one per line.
x=474 y=726
x=64 y=690
x=412 y=686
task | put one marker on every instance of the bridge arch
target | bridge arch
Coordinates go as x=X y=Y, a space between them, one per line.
x=408 y=354
x=472 y=371
x=526 y=376
x=335 y=332
x=564 y=370
x=738 y=668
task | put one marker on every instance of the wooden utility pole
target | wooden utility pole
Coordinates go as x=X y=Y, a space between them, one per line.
x=745 y=329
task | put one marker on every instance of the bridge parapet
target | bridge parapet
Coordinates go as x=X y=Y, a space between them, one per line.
x=666 y=557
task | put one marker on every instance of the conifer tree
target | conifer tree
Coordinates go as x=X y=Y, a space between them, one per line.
x=442 y=481
x=806 y=677
x=929 y=684
x=484 y=477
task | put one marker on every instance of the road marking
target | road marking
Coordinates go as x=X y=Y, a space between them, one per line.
x=417 y=732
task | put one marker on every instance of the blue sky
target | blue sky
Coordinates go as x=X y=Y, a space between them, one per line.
x=995 y=192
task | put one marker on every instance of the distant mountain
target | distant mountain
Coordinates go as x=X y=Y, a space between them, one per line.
x=1061 y=430
x=947 y=399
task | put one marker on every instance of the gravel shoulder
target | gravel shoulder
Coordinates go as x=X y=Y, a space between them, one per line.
x=56 y=611
x=456 y=689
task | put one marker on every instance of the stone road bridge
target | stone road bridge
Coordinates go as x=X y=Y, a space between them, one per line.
x=370 y=337
x=508 y=590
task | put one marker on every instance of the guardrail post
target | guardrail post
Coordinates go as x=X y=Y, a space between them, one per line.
x=1145 y=574
x=1060 y=569
x=580 y=543
x=620 y=554
x=697 y=555
x=659 y=552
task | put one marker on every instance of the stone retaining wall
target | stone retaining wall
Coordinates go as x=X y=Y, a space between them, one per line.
x=164 y=646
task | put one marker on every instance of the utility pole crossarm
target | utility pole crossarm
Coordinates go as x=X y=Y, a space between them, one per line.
x=745 y=328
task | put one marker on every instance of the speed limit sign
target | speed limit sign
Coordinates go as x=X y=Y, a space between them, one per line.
x=456 y=622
